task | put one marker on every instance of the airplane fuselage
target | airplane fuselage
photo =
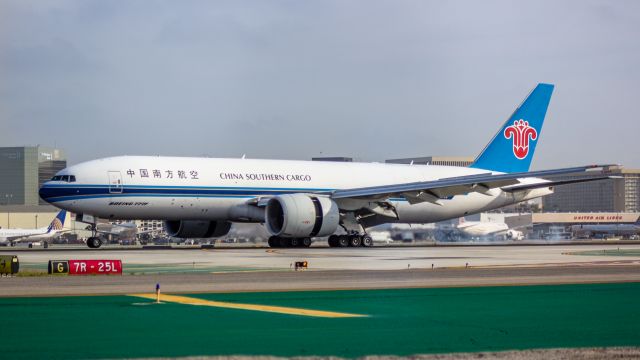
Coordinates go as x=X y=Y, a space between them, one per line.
x=176 y=188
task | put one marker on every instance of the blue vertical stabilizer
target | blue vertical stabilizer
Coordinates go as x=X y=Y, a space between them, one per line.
x=512 y=148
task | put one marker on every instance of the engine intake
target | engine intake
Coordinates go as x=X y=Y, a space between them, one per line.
x=301 y=215
x=196 y=229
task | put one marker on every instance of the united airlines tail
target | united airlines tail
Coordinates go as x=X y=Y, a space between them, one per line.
x=58 y=222
x=512 y=148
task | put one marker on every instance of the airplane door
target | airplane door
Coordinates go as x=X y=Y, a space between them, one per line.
x=115 y=182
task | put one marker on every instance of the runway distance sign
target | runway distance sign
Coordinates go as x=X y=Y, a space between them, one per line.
x=85 y=267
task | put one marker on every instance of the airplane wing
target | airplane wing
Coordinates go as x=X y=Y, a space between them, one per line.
x=555 y=183
x=435 y=190
x=135 y=231
x=15 y=238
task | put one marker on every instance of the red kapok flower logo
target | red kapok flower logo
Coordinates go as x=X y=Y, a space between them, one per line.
x=521 y=132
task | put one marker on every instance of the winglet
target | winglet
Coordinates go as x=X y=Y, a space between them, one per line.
x=512 y=148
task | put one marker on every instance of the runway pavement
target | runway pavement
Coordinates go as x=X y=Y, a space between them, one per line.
x=348 y=258
x=232 y=270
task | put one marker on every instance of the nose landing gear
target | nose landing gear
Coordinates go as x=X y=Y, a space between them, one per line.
x=94 y=242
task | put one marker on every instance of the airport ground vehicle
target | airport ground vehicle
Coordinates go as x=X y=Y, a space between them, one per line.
x=298 y=200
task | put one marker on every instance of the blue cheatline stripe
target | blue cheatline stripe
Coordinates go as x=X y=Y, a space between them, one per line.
x=52 y=193
x=59 y=193
x=56 y=193
x=76 y=186
x=83 y=197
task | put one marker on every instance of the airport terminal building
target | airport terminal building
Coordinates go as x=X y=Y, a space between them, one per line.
x=24 y=169
x=621 y=194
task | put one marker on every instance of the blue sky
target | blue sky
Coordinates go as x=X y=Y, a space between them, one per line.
x=295 y=79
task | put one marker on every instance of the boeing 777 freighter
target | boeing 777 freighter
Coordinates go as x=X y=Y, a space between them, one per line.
x=298 y=200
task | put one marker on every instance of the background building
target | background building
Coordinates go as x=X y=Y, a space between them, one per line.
x=435 y=160
x=24 y=169
x=333 y=158
x=614 y=195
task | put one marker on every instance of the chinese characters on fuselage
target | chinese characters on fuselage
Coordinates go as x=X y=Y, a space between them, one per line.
x=163 y=174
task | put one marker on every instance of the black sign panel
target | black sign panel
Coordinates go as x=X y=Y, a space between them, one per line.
x=58 y=266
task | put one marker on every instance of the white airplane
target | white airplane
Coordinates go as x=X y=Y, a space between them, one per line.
x=478 y=229
x=12 y=236
x=298 y=200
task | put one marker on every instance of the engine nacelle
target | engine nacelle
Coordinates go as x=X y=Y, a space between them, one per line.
x=301 y=215
x=195 y=229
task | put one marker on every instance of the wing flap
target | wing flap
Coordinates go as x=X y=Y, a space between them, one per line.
x=555 y=183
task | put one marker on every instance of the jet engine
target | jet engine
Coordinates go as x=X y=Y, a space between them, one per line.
x=188 y=229
x=301 y=215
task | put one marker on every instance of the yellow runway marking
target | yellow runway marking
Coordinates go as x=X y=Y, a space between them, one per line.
x=266 y=308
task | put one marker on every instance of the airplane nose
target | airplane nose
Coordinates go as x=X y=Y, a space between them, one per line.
x=46 y=193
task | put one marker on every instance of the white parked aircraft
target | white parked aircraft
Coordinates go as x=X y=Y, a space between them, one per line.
x=479 y=229
x=298 y=200
x=12 y=236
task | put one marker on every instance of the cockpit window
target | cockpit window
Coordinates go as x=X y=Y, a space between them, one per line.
x=65 y=178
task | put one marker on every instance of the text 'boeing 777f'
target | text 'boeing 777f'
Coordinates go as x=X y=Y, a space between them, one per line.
x=298 y=200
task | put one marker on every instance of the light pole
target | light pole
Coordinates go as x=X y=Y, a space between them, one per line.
x=8 y=196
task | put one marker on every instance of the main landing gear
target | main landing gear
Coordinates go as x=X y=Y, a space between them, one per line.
x=353 y=240
x=280 y=242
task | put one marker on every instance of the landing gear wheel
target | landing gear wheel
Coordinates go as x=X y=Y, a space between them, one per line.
x=284 y=243
x=367 y=241
x=306 y=242
x=94 y=242
x=273 y=241
x=343 y=240
x=355 y=240
x=333 y=241
x=45 y=245
x=294 y=242
x=30 y=245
